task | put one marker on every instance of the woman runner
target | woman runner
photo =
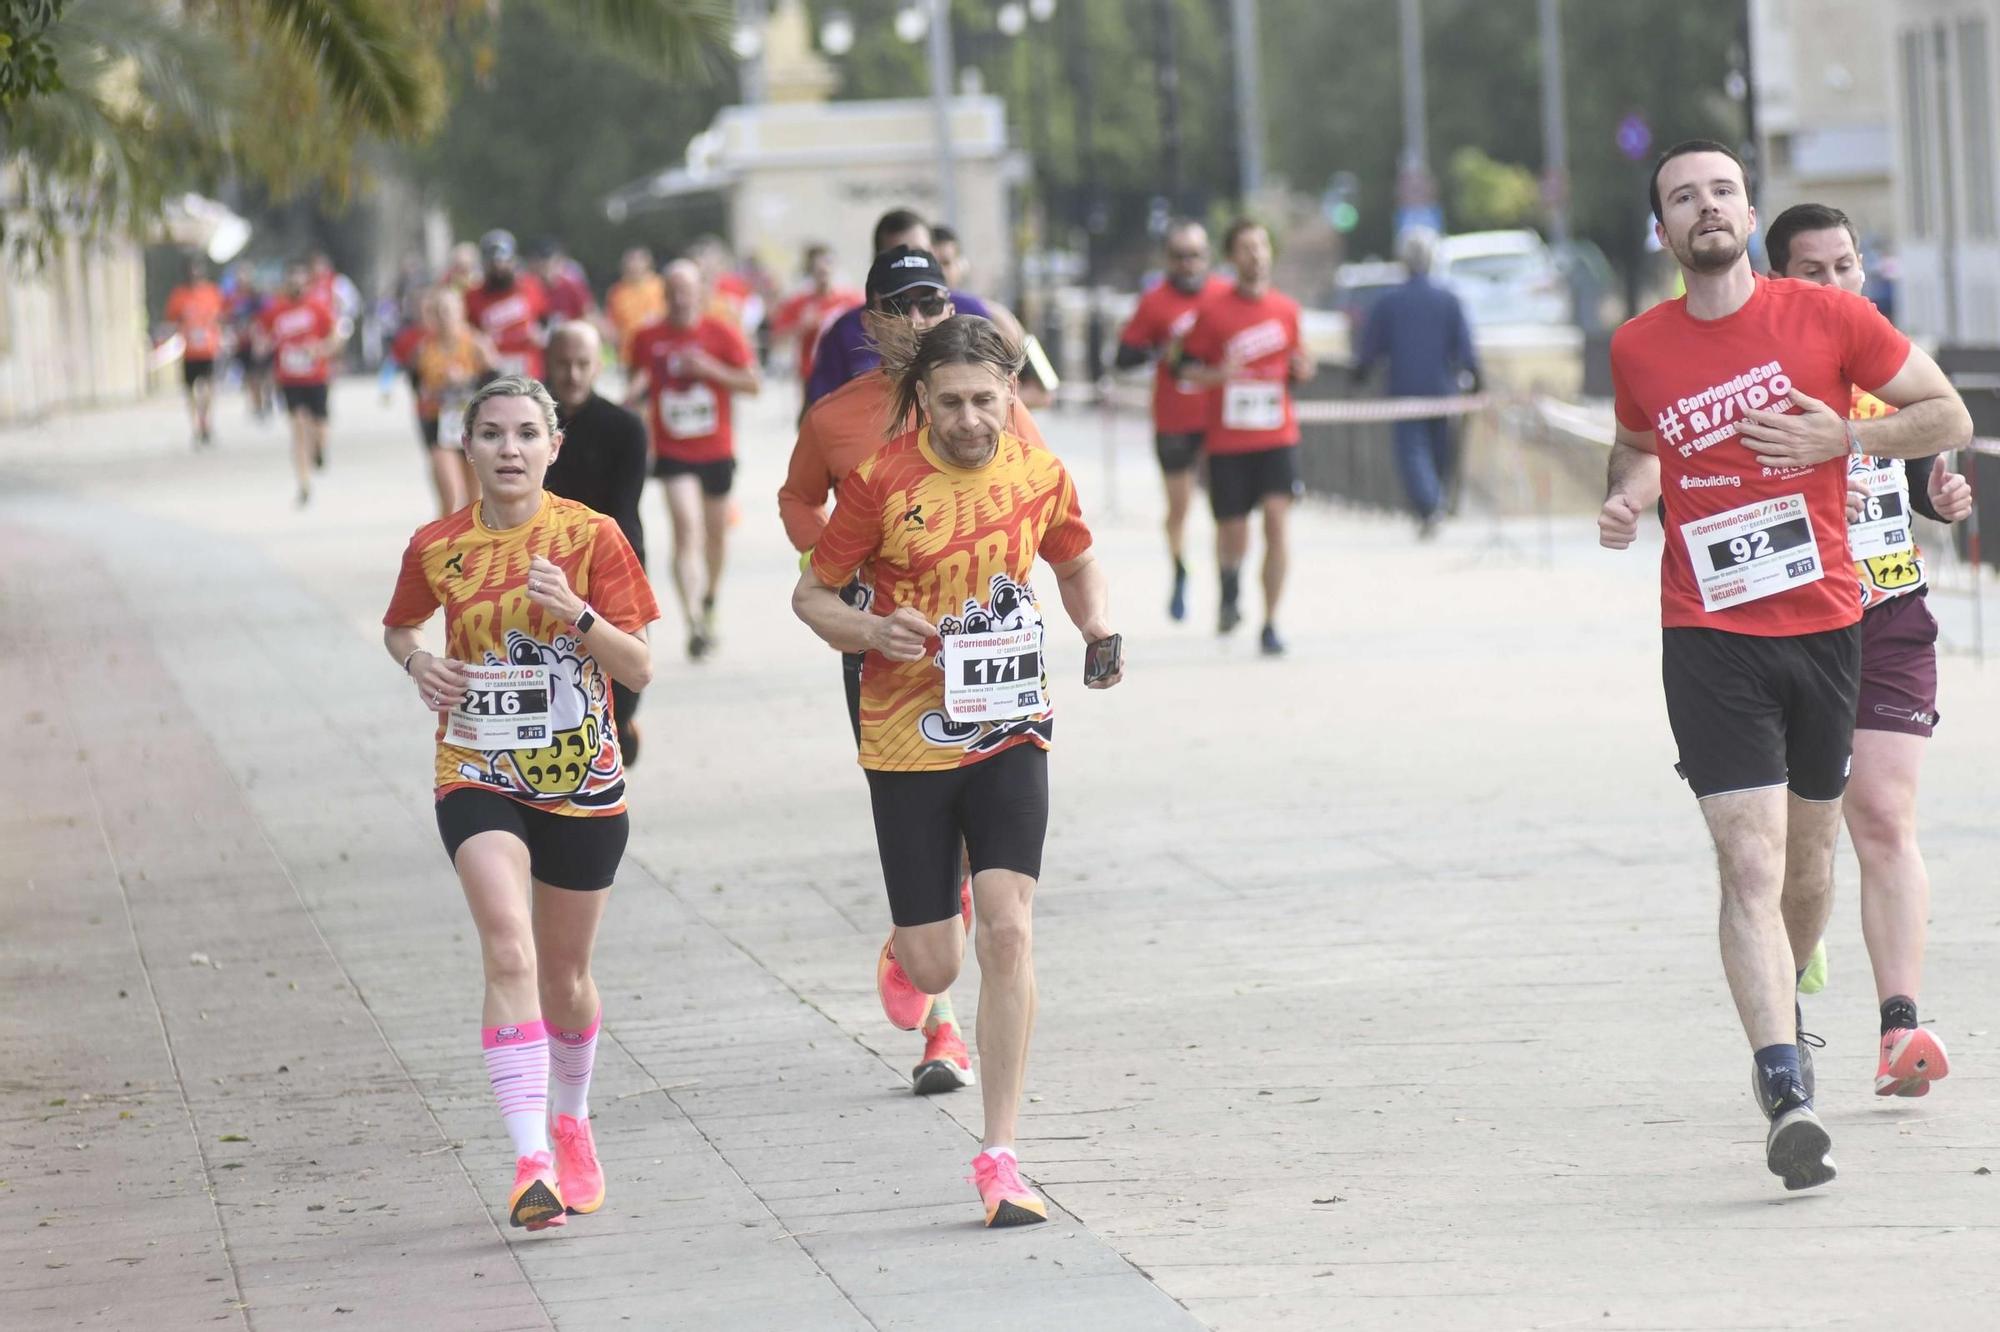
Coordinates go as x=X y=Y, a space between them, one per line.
x=545 y=604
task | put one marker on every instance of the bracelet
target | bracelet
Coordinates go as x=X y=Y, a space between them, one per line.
x=1853 y=441
x=406 y=661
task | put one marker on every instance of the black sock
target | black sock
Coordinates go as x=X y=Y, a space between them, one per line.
x=1180 y=570
x=1232 y=583
x=1898 y=1010
x=1779 y=1079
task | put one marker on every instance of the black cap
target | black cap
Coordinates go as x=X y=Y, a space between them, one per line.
x=497 y=244
x=904 y=269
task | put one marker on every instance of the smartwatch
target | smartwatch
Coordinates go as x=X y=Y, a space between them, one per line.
x=585 y=620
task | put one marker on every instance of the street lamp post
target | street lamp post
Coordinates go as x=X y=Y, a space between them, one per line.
x=1249 y=103
x=1555 y=134
x=941 y=68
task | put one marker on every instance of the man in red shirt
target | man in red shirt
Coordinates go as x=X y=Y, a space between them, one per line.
x=802 y=314
x=684 y=369
x=1244 y=349
x=303 y=336
x=509 y=307
x=195 y=309
x=1180 y=407
x=1732 y=401
x=566 y=283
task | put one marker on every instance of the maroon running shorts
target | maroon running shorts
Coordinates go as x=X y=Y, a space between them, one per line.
x=1899 y=667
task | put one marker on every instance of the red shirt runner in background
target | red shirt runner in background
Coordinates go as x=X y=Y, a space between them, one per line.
x=688 y=416
x=1162 y=318
x=804 y=313
x=512 y=318
x=299 y=330
x=1751 y=549
x=569 y=292
x=730 y=296
x=197 y=310
x=1253 y=411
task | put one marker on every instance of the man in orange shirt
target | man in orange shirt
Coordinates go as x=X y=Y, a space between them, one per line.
x=195 y=310
x=636 y=299
x=838 y=433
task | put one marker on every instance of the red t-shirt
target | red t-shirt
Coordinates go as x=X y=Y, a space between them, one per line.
x=1751 y=549
x=1253 y=411
x=688 y=416
x=806 y=313
x=512 y=317
x=1162 y=318
x=569 y=293
x=299 y=330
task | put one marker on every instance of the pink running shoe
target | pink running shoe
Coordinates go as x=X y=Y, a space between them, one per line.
x=576 y=1165
x=1912 y=1059
x=946 y=1065
x=905 y=1005
x=536 y=1202
x=1008 y=1201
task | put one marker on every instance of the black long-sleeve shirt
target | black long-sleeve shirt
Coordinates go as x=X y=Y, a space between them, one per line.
x=603 y=464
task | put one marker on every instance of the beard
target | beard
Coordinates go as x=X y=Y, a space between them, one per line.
x=1720 y=253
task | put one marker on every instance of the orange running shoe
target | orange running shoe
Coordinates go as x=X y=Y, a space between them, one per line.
x=946 y=1066
x=905 y=1005
x=1912 y=1059
x=536 y=1202
x=1008 y=1201
x=576 y=1165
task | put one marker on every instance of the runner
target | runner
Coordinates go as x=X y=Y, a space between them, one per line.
x=543 y=602
x=686 y=367
x=302 y=335
x=843 y=350
x=195 y=309
x=1898 y=708
x=1244 y=348
x=1180 y=409
x=602 y=467
x=563 y=278
x=955 y=712
x=509 y=307
x=840 y=431
x=635 y=300
x=253 y=356
x=802 y=314
x=730 y=295
x=1733 y=399
x=446 y=365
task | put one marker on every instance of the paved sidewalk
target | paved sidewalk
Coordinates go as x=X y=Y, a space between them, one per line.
x=1378 y=984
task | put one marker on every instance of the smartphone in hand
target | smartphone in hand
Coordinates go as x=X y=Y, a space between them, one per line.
x=1104 y=659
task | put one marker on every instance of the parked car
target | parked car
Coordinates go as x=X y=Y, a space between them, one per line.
x=1504 y=277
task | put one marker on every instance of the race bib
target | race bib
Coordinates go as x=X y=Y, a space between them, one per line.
x=451 y=419
x=1253 y=404
x=505 y=707
x=1884 y=528
x=1753 y=552
x=994 y=677
x=297 y=359
x=688 y=413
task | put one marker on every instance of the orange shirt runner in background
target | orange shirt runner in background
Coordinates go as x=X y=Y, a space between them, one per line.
x=841 y=430
x=633 y=303
x=196 y=309
x=479 y=576
x=958 y=545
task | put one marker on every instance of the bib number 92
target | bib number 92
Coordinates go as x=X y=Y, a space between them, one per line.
x=1756 y=545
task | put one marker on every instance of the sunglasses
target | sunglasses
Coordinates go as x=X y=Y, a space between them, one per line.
x=930 y=304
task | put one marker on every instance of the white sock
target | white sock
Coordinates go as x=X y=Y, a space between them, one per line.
x=517 y=1064
x=997 y=1152
x=571 y=1057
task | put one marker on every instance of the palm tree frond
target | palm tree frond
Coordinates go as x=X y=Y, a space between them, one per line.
x=378 y=69
x=684 y=38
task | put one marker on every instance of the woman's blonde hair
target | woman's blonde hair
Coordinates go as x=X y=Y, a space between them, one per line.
x=511 y=386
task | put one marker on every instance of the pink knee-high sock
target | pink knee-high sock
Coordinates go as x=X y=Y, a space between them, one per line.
x=517 y=1064
x=572 y=1054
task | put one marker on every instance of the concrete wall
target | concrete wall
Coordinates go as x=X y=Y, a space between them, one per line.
x=73 y=333
x=1824 y=89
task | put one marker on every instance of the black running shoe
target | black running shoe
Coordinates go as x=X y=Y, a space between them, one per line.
x=1798 y=1149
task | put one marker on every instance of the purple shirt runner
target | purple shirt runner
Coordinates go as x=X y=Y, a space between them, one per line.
x=843 y=351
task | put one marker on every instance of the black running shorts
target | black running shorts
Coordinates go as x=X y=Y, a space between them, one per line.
x=716 y=477
x=307 y=398
x=564 y=850
x=1239 y=482
x=196 y=369
x=1177 y=453
x=999 y=806
x=1751 y=712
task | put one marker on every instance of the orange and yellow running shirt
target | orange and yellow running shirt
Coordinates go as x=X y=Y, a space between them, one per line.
x=197 y=309
x=1898 y=572
x=446 y=369
x=479 y=575
x=958 y=545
